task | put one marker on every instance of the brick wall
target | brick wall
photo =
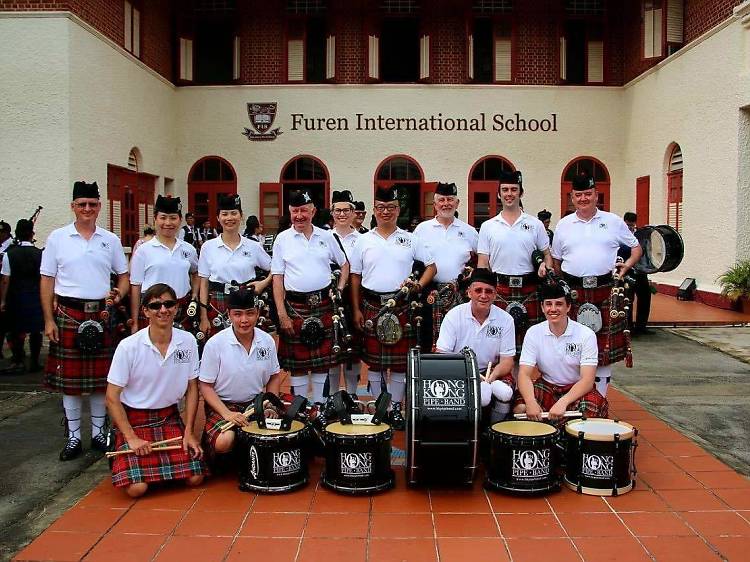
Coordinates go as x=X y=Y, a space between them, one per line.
x=702 y=15
x=262 y=37
x=157 y=45
x=347 y=23
x=446 y=26
x=537 y=56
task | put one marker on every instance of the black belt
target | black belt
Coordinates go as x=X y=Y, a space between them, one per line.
x=84 y=305
x=227 y=288
x=516 y=280
x=588 y=281
x=312 y=298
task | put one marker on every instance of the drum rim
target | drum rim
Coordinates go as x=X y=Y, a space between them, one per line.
x=587 y=436
x=276 y=489
x=589 y=491
x=554 y=431
x=383 y=428
x=277 y=432
x=668 y=265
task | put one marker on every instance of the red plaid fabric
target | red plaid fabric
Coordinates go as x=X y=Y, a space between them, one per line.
x=180 y=318
x=154 y=425
x=295 y=356
x=214 y=423
x=70 y=370
x=377 y=355
x=441 y=306
x=528 y=295
x=611 y=338
x=592 y=404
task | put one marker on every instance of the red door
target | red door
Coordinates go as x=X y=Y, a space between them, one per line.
x=428 y=194
x=131 y=198
x=482 y=201
x=642 y=199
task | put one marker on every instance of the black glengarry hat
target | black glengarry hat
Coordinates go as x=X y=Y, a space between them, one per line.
x=242 y=299
x=555 y=290
x=448 y=189
x=168 y=205
x=582 y=182
x=299 y=198
x=359 y=206
x=511 y=178
x=230 y=203
x=482 y=275
x=386 y=194
x=344 y=196
x=81 y=189
x=544 y=215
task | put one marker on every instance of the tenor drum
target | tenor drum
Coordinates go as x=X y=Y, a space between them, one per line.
x=600 y=456
x=523 y=457
x=442 y=417
x=663 y=249
x=358 y=458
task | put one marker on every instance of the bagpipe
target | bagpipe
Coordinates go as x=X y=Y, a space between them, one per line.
x=437 y=295
x=619 y=306
x=114 y=319
x=387 y=326
x=341 y=332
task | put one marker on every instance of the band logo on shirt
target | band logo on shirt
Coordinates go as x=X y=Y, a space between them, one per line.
x=263 y=353
x=185 y=254
x=105 y=245
x=460 y=233
x=403 y=241
x=246 y=253
x=321 y=243
x=573 y=349
x=603 y=225
x=494 y=332
x=182 y=356
x=526 y=226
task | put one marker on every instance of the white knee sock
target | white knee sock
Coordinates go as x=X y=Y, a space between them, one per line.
x=485 y=391
x=299 y=384
x=397 y=387
x=72 y=406
x=377 y=382
x=350 y=377
x=98 y=413
x=501 y=391
x=334 y=378
x=318 y=382
x=603 y=374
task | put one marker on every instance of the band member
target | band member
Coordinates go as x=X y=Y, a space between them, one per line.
x=360 y=213
x=565 y=353
x=208 y=232
x=253 y=229
x=237 y=364
x=506 y=244
x=641 y=291
x=453 y=244
x=76 y=265
x=5 y=241
x=227 y=263
x=190 y=232
x=585 y=250
x=489 y=331
x=382 y=261
x=152 y=370
x=164 y=259
x=545 y=216
x=19 y=300
x=301 y=278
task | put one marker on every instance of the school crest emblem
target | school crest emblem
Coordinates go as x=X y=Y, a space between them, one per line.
x=262 y=116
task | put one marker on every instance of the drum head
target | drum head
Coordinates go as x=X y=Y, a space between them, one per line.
x=524 y=428
x=600 y=429
x=356 y=429
x=255 y=430
x=663 y=249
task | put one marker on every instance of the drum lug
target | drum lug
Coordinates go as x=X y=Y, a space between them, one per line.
x=614 y=471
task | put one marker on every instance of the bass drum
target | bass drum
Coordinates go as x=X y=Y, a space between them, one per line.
x=663 y=249
x=442 y=417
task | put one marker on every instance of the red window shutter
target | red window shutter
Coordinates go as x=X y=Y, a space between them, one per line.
x=270 y=206
x=642 y=199
x=428 y=192
x=482 y=201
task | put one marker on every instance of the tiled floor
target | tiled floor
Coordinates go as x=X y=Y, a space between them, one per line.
x=687 y=506
x=668 y=311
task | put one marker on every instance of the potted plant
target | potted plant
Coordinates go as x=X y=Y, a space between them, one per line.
x=735 y=284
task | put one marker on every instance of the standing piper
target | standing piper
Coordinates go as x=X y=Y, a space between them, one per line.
x=382 y=261
x=227 y=263
x=545 y=216
x=301 y=268
x=77 y=262
x=585 y=250
x=153 y=370
x=164 y=259
x=453 y=244
x=506 y=243
x=360 y=213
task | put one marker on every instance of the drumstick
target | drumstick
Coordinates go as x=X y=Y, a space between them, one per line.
x=487 y=373
x=230 y=424
x=153 y=450
x=158 y=443
x=545 y=415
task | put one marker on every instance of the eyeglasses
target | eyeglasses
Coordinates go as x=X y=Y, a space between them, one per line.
x=341 y=211
x=384 y=208
x=156 y=305
x=84 y=204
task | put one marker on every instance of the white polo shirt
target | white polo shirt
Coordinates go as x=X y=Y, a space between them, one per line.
x=493 y=338
x=5 y=270
x=306 y=264
x=149 y=380
x=559 y=359
x=239 y=376
x=81 y=267
x=451 y=247
x=5 y=245
x=156 y=263
x=590 y=247
x=384 y=263
x=221 y=264
x=347 y=241
x=509 y=246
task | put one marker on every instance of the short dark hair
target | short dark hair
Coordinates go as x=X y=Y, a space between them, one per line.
x=155 y=291
x=4 y=227
x=188 y=215
x=630 y=217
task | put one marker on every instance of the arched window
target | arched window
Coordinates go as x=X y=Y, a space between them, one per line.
x=484 y=179
x=209 y=178
x=399 y=168
x=674 y=188
x=308 y=173
x=415 y=196
x=592 y=167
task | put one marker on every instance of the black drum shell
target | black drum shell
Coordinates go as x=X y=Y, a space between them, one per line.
x=270 y=450
x=615 y=459
x=674 y=248
x=369 y=472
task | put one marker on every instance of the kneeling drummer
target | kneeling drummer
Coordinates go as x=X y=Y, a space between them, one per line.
x=237 y=364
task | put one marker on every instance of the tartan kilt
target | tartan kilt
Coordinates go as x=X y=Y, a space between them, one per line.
x=379 y=356
x=70 y=370
x=295 y=356
x=23 y=312
x=154 y=425
x=180 y=318
x=217 y=304
x=440 y=308
x=611 y=338
x=592 y=404
x=214 y=423
x=529 y=296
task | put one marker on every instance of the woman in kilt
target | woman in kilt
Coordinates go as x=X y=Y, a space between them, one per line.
x=227 y=263
x=151 y=371
x=164 y=259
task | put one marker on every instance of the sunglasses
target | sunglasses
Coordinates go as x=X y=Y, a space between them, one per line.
x=156 y=305
x=84 y=204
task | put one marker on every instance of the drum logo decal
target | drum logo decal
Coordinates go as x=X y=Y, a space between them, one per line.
x=598 y=466
x=287 y=462
x=356 y=464
x=531 y=464
x=444 y=394
x=253 y=458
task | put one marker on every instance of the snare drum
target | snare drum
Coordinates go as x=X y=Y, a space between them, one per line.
x=358 y=458
x=600 y=456
x=523 y=457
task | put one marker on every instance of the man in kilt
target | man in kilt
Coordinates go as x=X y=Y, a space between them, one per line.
x=237 y=364
x=565 y=354
x=506 y=244
x=382 y=261
x=77 y=262
x=453 y=244
x=301 y=268
x=585 y=250
x=151 y=371
x=20 y=297
x=164 y=259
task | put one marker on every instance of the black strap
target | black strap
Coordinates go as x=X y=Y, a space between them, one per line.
x=259 y=413
x=381 y=407
x=299 y=403
x=343 y=405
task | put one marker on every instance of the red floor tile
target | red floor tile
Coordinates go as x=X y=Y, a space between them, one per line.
x=734 y=549
x=298 y=501
x=620 y=549
x=656 y=525
x=657 y=436
x=125 y=548
x=656 y=464
x=718 y=523
x=399 y=550
x=58 y=546
x=109 y=497
x=465 y=525
x=278 y=550
x=274 y=525
x=722 y=480
x=332 y=550
x=461 y=550
x=224 y=499
x=207 y=549
x=647 y=425
x=503 y=503
x=149 y=521
x=593 y=525
x=405 y=525
x=637 y=500
x=326 y=501
x=542 y=525
x=703 y=463
x=88 y=520
x=534 y=550
x=333 y=525
x=174 y=497
x=402 y=501
x=568 y=501
x=736 y=499
x=680 y=449
x=692 y=500
x=679 y=549
x=459 y=502
x=210 y=524
x=668 y=481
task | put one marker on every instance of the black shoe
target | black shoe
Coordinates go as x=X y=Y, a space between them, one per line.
x=72 y=449
x=13 y=369
x=396 y=418
x=99 y=443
